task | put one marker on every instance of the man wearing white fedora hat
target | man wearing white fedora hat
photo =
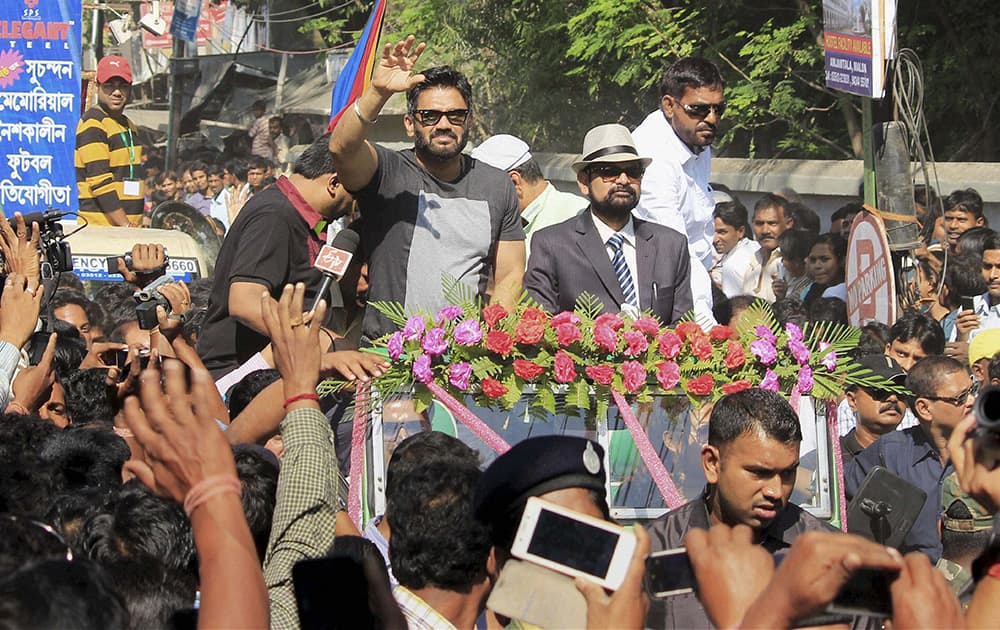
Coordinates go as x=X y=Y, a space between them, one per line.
x=629 y=264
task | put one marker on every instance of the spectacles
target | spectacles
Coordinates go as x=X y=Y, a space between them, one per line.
x=701 y=110
x=430 y=117
x=880 y=395
x=611 y=172
x=959 y=400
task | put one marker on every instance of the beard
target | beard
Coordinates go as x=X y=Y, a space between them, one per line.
x=426 y=148
x=613 y=205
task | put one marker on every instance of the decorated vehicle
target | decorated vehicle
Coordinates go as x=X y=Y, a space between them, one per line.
x=492 y=377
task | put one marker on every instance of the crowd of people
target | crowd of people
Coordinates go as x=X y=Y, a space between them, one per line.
x=166 y=461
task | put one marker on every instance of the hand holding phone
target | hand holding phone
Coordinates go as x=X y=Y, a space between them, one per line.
x=574 y=544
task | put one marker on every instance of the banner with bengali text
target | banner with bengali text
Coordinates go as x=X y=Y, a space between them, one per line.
x=40 y=52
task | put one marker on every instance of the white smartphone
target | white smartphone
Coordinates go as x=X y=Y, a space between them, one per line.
x=574 y=544
x=669 y=573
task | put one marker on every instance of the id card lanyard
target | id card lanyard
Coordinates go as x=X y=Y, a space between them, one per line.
x=131 y=152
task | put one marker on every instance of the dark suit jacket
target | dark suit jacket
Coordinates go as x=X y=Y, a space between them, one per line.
x=569 y=258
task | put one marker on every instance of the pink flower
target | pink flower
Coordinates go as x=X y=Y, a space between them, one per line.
x=764 y=351
x=670 y=345
x=805 y=383
x=770 y=381
x=459 y=374
x=600 y=374
x=686 y=329
x=422 y=369
x=668 y=374
x=566 y=317
x=434 y=342
x=567 y=334
x=449 y=313
x=635 y=342
x=414 y=328
x=765 y=333
x=468 y=333
x=830 y=360
x=605 y=337
x=563 y=367
x=395 y=345
x=532 y=326
x=798 y=350
x=794 y=332
x=647 y=325
x=633 y=375
x=612 y=321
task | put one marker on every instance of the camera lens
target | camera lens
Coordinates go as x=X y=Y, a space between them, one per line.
x=987 y=409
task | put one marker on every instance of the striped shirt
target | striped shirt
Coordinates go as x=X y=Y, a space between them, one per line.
x=108 y=154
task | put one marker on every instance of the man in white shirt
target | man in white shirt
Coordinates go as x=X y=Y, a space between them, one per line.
x=769 y=222
x=678 y=137
x=542 y=204
x=987 y=305
x=733 y=249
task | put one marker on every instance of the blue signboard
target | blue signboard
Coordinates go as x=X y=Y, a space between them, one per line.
x=39 y=103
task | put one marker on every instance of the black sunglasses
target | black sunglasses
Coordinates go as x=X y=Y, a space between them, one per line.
x=430 y=117
x=702 y=109
x=611 y=172
x=881 y=395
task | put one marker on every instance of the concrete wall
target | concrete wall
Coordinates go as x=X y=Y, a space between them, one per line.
x=824 y=185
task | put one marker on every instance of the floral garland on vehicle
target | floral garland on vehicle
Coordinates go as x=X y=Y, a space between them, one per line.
x=492 y=354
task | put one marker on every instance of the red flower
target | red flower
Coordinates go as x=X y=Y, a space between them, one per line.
x=735 y=386
x=531 y=327
x=528 y=370
x=670 y=345
x=600 y=374
x=610 y=320
x=605 y=337
x=563 y=367
x=686 y=329
x=493 y=388
x=701 y=347
x=492 y=314
x=634 y=375
x=636 y=342
x=668 y=374
x=646 y=325
x=567 y=334
x=701 y=386
x=566 y=317
x=721 y=333
x=735 y=355
x=500 y=342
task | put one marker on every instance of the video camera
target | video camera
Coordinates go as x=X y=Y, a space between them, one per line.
x=112 y=263
x=51 y=243
x=147 y=300
x=987 y=434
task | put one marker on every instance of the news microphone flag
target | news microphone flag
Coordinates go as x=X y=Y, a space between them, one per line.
x=357 y=73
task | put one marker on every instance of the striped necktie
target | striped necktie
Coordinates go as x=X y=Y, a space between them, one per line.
x=621 y=269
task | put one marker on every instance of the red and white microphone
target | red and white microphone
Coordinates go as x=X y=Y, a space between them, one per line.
x=333 y=259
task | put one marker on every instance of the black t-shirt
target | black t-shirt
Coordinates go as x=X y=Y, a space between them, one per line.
x=418 y=229
x=267 y=245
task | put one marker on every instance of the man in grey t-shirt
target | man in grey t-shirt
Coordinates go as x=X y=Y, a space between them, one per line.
x=429 y=211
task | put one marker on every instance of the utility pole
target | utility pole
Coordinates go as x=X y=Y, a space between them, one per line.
x=176 y=102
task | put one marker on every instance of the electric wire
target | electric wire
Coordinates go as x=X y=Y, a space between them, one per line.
x=270 y=18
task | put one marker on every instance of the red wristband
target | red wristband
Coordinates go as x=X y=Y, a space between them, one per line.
x=994 y=571
x=305 y=396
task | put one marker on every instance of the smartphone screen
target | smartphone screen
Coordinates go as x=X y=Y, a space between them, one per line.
x=867 y=592
x=572 y=543
x=669 y=573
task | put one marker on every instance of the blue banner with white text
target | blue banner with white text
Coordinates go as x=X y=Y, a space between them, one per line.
x=40 y=52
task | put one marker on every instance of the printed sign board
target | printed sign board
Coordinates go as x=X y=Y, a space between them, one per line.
x=859 y=36
x=871 y=290
x=39 y=104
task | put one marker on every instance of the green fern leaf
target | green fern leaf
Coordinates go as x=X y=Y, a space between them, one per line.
x=588 y=306
x=394 y=311
x=546 y=400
